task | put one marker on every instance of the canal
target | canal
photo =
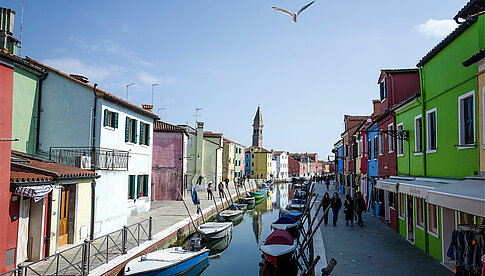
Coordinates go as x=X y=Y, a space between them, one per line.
x=239 y=254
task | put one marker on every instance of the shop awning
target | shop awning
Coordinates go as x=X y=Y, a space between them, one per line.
x=467 y=196
x=388 y=184
x=36 y=192
x=418 y=188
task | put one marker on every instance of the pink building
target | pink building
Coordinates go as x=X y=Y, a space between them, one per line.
x=169 y=165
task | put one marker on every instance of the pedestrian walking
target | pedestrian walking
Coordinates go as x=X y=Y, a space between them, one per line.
x=326 y=203
x=359 y=207
x=327 y=182
x=349 y=210
x=227 y=183
x=221 y=189
x=210 y=195
x=336 y=204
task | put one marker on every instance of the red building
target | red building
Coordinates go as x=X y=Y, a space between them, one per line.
x=8 y=222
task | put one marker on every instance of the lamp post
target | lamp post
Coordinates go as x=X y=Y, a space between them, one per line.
x=153 y=85
x=128 y=85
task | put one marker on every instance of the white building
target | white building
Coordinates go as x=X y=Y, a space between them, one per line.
x=281 y=164
x=115 y=142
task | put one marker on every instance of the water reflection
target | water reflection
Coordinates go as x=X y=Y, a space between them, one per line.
x=217 y=246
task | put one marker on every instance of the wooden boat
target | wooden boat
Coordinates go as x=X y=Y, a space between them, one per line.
x=214 y=230
x=259 y=194
x=293 y=213
x=241 y=206
x=288 y=223
x=248 y=200
x=231 y=215
x=170 y=261
x=278 y=247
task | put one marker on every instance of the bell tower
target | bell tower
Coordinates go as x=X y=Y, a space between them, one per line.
x=258 y=129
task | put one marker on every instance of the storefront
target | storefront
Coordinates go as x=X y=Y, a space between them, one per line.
x=389 y=188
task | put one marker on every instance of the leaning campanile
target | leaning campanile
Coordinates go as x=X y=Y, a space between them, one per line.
x=258 y=129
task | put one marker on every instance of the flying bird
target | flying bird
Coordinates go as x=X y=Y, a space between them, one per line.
x=293 y=15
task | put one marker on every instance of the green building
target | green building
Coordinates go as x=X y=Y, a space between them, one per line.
x=438 y=184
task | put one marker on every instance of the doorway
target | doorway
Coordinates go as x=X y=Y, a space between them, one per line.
x=410 y=216
x=449 y=224
x=64 y=217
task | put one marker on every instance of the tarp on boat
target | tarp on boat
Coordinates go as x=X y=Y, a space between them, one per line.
x=280 y=236
x=286 y=219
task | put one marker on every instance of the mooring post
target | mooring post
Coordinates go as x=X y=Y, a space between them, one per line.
x=85 y=258
x=124 y=235
x=150 y=229
x=20 y=268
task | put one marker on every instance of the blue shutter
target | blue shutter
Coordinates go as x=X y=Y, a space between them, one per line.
x=127 y=129
x=131 y=191
x=138 y=186
x=147 y=135
x=141 y=133
x=135 y=131
x=145 y=186
x=115 y=119
x=105 y=117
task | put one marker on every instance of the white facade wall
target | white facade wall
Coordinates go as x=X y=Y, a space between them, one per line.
x=282 y=166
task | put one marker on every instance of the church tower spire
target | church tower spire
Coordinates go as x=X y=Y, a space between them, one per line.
x=258 y=129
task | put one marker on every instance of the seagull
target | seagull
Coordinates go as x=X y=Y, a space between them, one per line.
x=293 y=15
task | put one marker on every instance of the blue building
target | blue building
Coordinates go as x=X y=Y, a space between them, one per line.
x=374 y=148
x=339 y=156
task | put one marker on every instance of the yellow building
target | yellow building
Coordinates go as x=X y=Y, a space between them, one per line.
x=260 y=162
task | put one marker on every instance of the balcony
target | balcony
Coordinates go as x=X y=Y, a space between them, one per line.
x=89 y=158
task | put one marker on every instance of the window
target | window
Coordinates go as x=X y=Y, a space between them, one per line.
x=433 y=219
x=110 y=118
x=383 y=91
x=390 y=137
x=131 y=187
x=418 y=134
x=142 y=186
x=432 y=128
x=466 y=120
x=375 y=147
x=400 y=142
x=381 y=144
x=252 y=164
x=252 y=155
x=247 y=164
x=252 y=172
x=368 y=148
x=465 y=218
x=420 y=212
x=402 y=205
x=144 y=134
x=130 y=130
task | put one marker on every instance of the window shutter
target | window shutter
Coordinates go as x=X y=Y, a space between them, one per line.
x=147 y=135
x=138 y=186
x=131 y=187
x=145 y=187
x=127 y=129
x=135 y=130
x=105 y=117
x=115 y=119
x=141 y=133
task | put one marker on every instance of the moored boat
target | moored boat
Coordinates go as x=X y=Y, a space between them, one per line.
x=278 y=247
x=248 y=200
x=288 y=223
x=259 y=194
x=170 y=261
x=214 y=230
x=231 y=215
x=241 y=206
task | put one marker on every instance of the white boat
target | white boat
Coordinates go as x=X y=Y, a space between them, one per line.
x=278 y=247
x=214 y=230
x=248 y=200
x=170 y=261
x=231 y=215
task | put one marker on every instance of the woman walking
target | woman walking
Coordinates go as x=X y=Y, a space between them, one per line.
x=326 y=203
x=221 y=190
x=349 y=211
x=336 y=204
x=209 y=191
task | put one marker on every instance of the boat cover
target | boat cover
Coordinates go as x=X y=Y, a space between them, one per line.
x=280 y=236
x=286 y=219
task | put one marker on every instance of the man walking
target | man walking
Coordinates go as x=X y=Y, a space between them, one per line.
x=209 y=191
x=336 y=204
x=359 y=207
x=221 y=189
x=327 y=182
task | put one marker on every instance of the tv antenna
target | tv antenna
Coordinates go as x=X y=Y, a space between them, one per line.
x=163 y=108
x=21 y=27
x=197 y=115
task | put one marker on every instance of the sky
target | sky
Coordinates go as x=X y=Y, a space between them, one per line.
x=228 y=57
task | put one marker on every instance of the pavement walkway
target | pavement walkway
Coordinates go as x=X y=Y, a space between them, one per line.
x=374 y=249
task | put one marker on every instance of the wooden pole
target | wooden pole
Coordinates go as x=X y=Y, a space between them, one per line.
x=215 y=203
x=237 y=192
x=188 y=212
x=202 y=214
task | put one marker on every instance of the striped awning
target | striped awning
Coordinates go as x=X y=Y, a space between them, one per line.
x=35 y=192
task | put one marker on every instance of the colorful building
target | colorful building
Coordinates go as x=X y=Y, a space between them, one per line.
x=259 y=163
x=169 y=165
x=281 y=164
x=231 y=160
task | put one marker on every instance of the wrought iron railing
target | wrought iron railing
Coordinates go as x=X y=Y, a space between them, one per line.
x=83 y=258
x=88 y=158
x=9 y=273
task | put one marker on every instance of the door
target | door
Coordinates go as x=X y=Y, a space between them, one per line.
x=64 y=217
x=448 y=227
x=410 y=216
x=23 y=229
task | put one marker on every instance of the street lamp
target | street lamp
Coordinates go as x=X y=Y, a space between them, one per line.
x=153 y=85
x=128 y=85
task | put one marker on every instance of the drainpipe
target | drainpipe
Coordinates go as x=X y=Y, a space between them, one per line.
x=37 y=146
x=93 y=165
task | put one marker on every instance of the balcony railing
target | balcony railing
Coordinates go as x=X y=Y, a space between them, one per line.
x=88 y=158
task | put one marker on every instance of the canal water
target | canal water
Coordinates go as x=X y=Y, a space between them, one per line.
x=239 y=254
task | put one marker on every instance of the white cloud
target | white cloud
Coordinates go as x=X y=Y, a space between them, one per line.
x=76 y=66
x=437 y=28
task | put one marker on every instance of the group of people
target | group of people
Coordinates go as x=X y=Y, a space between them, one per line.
x=353 y=208
x=220 y=187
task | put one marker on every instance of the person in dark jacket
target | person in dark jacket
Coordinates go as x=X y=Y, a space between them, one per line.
x=359 y=207
x=349 y=210
x=336 y=204
x=326 y=203
x=327 y=182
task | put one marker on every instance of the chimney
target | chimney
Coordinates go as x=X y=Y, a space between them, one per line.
x=80 y=78
x=147 y=107
x=7 y=42
x=377 y=107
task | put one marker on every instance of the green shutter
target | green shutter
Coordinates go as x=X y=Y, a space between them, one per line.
x=145 y=186
x=141 y=133
x=147 y=135
x=131 y=192
x=138 y=186
x=135 y=131
x=115 y=119
x=105 y=117
x=127 y=129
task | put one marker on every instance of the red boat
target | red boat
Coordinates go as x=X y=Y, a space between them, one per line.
x=278 y=247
